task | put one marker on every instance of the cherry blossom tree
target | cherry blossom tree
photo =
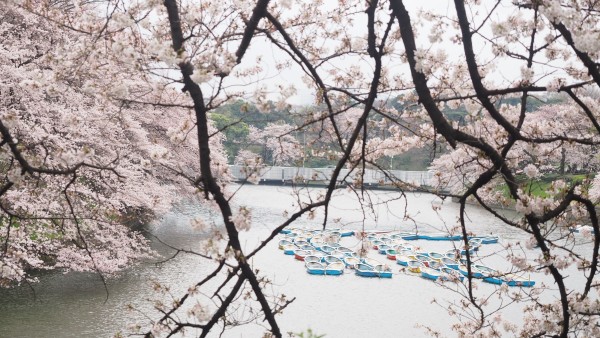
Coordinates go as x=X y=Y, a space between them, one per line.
x=144 y=76
x=516 y=137
x=63 y=188
x=77 y=165
x=282 y=146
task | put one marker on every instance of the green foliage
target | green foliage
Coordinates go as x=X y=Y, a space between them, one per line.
x=249 y=114
x=535 y=103
x=318 y=162
x=413 y=159
x=540 y=186
x=235 y=119
x=14 y=223
x=308 y=334
x=234 y=128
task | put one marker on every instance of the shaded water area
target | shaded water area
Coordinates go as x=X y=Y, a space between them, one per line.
x=77 y=305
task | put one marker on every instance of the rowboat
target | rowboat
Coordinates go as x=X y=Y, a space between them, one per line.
x=489 y=275
x=369 y=261
x=289 y=249
x=326 y=249
x=434 y=264
x=391 y=254
x=302 y=242
x=415 y=266
x=475 y=243
x=403 y=260
x=292 y=232
x=307 y=247
x=396 y=236
x=383 y=248
x=407 y=236
x=301 y=254
x=284 y=242
x=487 y=239
x=440 y=237
x=351 y=261
x=451 y=263
x=451 y=274
x=346 y=233
x=452 y=254
x=474 y=272
x=473 y=246
x=332 y=259
x=371 y=237
x=429 y=273
x=337 y=253
x=312 y=259
x=493 y=279
x=315 y=268
x=515 y=280
x=407 y=252
x=463 y=251
x=364 y=270
x=335 y=269
x=423 y=259
x=383 y=271
x=376 y=243
x=435 y=256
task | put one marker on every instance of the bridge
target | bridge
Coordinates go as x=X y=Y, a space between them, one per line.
x=301 y=175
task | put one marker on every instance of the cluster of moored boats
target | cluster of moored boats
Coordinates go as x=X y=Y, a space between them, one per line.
x=323 y=254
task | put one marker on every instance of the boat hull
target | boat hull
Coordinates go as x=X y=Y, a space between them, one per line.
x=430 y=274
x=364 y=270
x=440 y=237
x=521 y=283
x=383 y=271
x=415 y=266
x=493 y=280
x=335 y=269
x=402 y=260
x=315 y=268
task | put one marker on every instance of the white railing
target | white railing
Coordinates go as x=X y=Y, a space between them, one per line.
x=299 y=174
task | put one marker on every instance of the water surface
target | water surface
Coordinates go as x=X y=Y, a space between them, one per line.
x=76 y=304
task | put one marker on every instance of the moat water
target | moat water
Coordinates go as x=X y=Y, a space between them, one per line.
x=77 y=304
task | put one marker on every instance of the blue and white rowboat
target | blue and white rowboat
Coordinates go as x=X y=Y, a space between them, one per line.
x=315 y=268
x=364 y=270
x=429 y=273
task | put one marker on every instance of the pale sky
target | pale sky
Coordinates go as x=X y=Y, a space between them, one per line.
x=507 y=71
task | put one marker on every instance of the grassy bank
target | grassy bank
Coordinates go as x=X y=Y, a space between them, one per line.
x=540 y=186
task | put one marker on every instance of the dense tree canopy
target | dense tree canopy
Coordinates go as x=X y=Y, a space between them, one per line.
x=110 y=106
